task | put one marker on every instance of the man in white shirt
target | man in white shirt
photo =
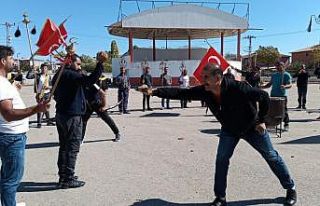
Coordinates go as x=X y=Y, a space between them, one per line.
x=43 y=93
x=14 y=124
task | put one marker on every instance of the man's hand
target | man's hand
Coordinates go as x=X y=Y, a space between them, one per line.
x=261 y=128
x=145 y=89
x=42 y=106
x=17 y=85
x=102 y=56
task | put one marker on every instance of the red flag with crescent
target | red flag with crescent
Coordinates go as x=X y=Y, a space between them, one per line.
x=51 y=38
x=211 y=56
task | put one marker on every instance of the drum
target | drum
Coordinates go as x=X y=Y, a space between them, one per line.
x=276 y=111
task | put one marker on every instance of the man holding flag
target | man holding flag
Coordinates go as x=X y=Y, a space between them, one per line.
x=234 y=104
x=70 y=107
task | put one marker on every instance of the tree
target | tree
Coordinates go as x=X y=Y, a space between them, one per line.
x=267 y=55
x=88 y=63
x=114 y=49
x=316 y=55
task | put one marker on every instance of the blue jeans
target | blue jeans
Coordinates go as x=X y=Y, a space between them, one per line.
x=263 y=145
x=12 y=158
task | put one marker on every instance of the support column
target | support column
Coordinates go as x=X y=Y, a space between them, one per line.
x=238 y=46
x=154 y=47
x=189 y=47
x=130 y=47
x=222 y=42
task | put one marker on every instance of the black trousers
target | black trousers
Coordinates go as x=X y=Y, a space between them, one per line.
x=146 y=98
x=302 y=95
x=47 y=114
x=183 y=103
x=123 y=96
x=103 y=115
x=70 y=133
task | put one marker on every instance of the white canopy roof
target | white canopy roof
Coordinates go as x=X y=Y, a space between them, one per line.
x=179 y=22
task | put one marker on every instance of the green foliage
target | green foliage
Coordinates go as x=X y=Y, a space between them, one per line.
x=88 y=63
x=114 y=52
x=316 y=55
x=267 y=55
x=135 y=47
x=296 y=66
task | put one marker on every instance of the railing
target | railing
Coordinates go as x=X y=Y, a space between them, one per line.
x=153 y=3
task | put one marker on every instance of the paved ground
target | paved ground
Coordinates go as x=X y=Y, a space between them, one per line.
x=167 y=158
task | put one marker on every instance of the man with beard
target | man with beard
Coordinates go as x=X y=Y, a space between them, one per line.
x=234 y=104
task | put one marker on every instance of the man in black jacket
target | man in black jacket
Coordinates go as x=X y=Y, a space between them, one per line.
x=70 y=106
x=95 y=104
x=302 y=85
x=234 y=104
x=146 y=79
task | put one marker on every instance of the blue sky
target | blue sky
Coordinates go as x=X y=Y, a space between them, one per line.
x=283 y=22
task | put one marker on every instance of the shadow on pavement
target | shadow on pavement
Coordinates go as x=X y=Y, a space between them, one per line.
x=37 y=186
x=306 y=140
x=100 y=140
x=210 y=131
x=159 y=202
x=155 y=114
x=304 y=120
x=42 y=145
x=56 y=144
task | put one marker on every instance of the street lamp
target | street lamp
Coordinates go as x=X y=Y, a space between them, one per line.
x=316 y=19
x=26 y=21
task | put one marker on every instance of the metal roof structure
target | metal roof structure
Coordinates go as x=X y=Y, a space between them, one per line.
x=179 y=22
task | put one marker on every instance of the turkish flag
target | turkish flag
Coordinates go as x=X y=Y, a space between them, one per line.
x=211 y=56
x=51 y=38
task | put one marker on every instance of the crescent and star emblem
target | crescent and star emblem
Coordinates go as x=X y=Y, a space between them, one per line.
x=214 y=58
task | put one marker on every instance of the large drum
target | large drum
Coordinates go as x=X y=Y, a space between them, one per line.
x=276 y=111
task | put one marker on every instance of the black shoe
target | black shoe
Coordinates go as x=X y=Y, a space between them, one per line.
x=126 y=112
x=304 y=107
x=117 y=138
x=51 y=124
x=298 y=107
x=149 y=109
x=73 y=183
x=291 y=197
x=62 y=179
x=39 y=125
x=219 y=202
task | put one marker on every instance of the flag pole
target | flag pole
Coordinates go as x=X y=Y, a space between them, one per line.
x=69 y=52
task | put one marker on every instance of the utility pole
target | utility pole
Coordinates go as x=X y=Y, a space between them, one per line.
x=8 y=36
x=250 y=37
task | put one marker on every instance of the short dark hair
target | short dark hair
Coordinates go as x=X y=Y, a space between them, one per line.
x=43 y=65
x=74 y=57
x=279 y=63
x=213 y=69
x=6 y=51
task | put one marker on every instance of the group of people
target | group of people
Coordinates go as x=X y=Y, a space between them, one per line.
x=77 y=95
x=123 y=83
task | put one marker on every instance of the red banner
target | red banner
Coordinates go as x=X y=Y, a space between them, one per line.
x=211 y=56
x=51 y=38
